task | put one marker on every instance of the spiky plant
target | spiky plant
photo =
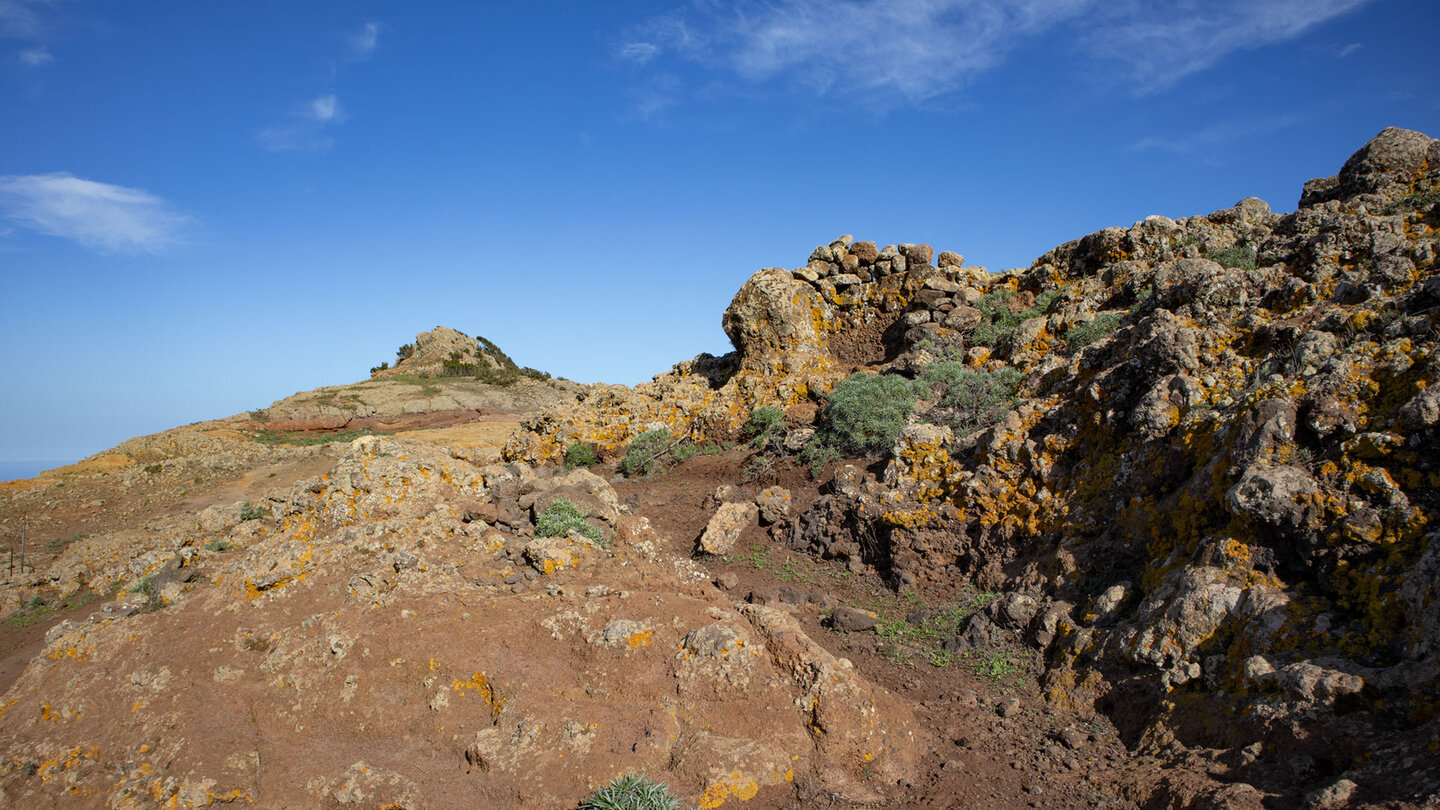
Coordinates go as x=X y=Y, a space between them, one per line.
x=631 y=792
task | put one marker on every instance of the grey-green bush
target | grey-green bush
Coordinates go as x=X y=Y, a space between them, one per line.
x=1237 y=256
x=580 y=454
x=563 y=517
x=765 y=427
x=973 y=398
x=1086 y=333
x=642 y=456
x=631 y=792
x=866 y=413
x=1000 y=322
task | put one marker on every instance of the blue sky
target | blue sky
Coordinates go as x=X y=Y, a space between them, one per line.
x=208 y=206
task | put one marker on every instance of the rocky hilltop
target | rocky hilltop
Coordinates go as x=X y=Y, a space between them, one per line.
x=1148 y=523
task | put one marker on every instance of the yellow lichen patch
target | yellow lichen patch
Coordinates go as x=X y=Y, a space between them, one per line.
x=481 y=685
x=640 y=639
x=735 y=784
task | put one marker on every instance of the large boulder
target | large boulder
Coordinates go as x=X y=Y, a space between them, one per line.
x=776 y=317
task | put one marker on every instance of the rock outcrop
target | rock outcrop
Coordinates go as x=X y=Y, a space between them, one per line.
x=1214 y=485
x=795 y=333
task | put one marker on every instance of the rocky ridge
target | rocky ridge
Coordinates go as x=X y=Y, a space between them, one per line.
x=1212 y=495
x=1188 y=465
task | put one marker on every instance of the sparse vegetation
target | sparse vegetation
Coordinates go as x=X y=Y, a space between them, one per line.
x=488 y=365
x=1086 y=333
x=997 y=665
x=563 y=517
x=581 y=454
x=765 y=429
x=383 y=365
x=404 y=352
x=760 y=468
x=220 y=545
x=818 y=456
x=911 y=633
x=1416 y=200
x=249 y=511
x=644 y=453
x=1241 y=257
x=1001 y=320
x=33 y=611
x=973 y=398
x=145 y=587
x=631 y=792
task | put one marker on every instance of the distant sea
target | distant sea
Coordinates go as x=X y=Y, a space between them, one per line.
x=11 y=470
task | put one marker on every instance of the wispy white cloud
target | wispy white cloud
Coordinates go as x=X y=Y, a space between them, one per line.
x=1349 y=49
x=325 y=109
x=309 y=127
x=19 y=19
x=362 y=43
x=36 y=57
x=1159 y=44
x=907 y=51
x=1212 y=140
x=100 y=216
x=22 y=20
x=638 y=52
x=913 y=49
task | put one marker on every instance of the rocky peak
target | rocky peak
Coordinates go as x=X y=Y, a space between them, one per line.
x=445 y=352
x=1391 y=166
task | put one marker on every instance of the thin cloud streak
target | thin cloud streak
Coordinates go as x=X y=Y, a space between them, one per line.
x=18 y=19
x=908 y=51
x=1214 y=138
x=36 y=57
x=100 y=216
x=1160 y=46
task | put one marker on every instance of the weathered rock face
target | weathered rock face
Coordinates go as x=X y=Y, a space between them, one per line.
x=394 y=633
x=795 y=333
x=777 y=319
x=1217 y=480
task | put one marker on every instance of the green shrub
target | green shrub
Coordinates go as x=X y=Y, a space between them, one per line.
x=631 y=792
x=249 y=511
x=1086 y=333
x=580 y=454
x=404 y=352
x=866 y=413
x=642 y=456
x=683 y=452
x=1000 y=321
x=818 y=456
x=1237 y=256
x=32 y=611
x=383 y=365
x=973 y=398
x=563 y=517
x=765 y=427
